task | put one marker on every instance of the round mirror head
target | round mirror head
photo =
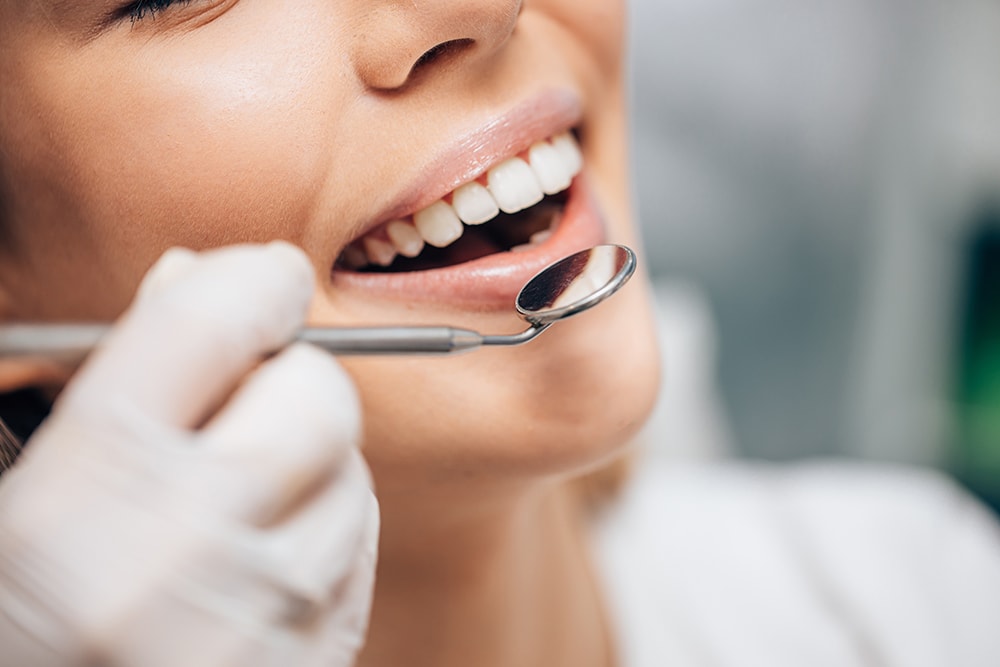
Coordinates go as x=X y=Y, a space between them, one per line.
x=575 y=283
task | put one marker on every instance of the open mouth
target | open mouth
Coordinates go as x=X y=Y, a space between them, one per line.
x=515 y=206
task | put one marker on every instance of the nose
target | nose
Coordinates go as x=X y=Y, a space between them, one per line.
x=394 y=39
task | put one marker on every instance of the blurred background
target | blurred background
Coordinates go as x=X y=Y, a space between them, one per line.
x=819 y=187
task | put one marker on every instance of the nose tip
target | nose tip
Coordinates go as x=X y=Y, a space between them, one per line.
x=400 y=39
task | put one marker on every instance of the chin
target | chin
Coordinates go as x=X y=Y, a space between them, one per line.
x=557 y=406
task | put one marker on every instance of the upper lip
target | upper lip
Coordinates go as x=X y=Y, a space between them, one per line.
x=474 y=153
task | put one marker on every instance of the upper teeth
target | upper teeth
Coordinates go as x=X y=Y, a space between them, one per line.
x=511 y=186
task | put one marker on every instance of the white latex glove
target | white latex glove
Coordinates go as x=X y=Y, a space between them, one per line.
x=183 y=506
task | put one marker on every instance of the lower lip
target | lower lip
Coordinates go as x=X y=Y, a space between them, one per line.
x=492 y=281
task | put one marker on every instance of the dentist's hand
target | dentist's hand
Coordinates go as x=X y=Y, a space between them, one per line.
x=185 y=506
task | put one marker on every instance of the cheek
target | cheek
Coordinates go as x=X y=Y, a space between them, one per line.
x=200 y=148
x=599 y=25
x=198 y=144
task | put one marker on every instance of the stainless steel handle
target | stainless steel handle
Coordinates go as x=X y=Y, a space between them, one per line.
x=64 y=342
x=71 y=343
x=391 y=340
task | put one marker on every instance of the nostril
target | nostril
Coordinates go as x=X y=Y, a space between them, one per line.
x=437 y=52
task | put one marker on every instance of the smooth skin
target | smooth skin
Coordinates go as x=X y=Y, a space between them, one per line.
x=216 y=122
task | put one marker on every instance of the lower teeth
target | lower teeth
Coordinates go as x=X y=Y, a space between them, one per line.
x=536 y=239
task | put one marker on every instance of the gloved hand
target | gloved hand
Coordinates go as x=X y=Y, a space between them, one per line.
x=185 y=506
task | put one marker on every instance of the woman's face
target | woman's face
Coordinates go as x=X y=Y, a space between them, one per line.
x=126 y=129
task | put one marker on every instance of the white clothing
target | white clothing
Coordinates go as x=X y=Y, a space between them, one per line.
x=805 y=566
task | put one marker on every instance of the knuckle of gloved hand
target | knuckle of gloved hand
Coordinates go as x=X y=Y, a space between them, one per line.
x=114 y=441
x=68 y=629
x=151 y=572
x=329 y=402
x=276 y=275
x=91 y=639
x=102 y=635
x=251 y=297
x=194 y=319
x=173 y=264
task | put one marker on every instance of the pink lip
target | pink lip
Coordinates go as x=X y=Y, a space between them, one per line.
x=491 y=282
x=539 y=117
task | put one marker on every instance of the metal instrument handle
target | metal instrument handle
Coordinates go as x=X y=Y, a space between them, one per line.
x=71 y=343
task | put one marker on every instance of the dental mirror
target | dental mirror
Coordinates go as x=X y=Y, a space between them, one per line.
x=575 y=284
x=569 y=286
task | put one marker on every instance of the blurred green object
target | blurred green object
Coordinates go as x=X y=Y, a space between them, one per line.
x=977 y=455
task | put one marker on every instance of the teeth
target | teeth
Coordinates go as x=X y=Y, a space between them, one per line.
x=552 y=170
x=474 y=204
x=569 y=150
x=540 y=237
x=536 y=239
x=405 y=237
x=438 y=224
x=514 y=185
x=379 y=251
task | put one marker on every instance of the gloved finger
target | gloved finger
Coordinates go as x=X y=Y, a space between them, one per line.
x=345 y=625
x=300 y=576
x=173 y=264
x=315 y=554
x=335 y=517
x=182 y=347
x=284 y=433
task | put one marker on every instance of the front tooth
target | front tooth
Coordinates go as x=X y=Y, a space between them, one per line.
x=474 y=204
x=514 y=186
x=570 y=152
x=405 y=237
x=549 y=166
x=438 y=224
x=379 y=252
